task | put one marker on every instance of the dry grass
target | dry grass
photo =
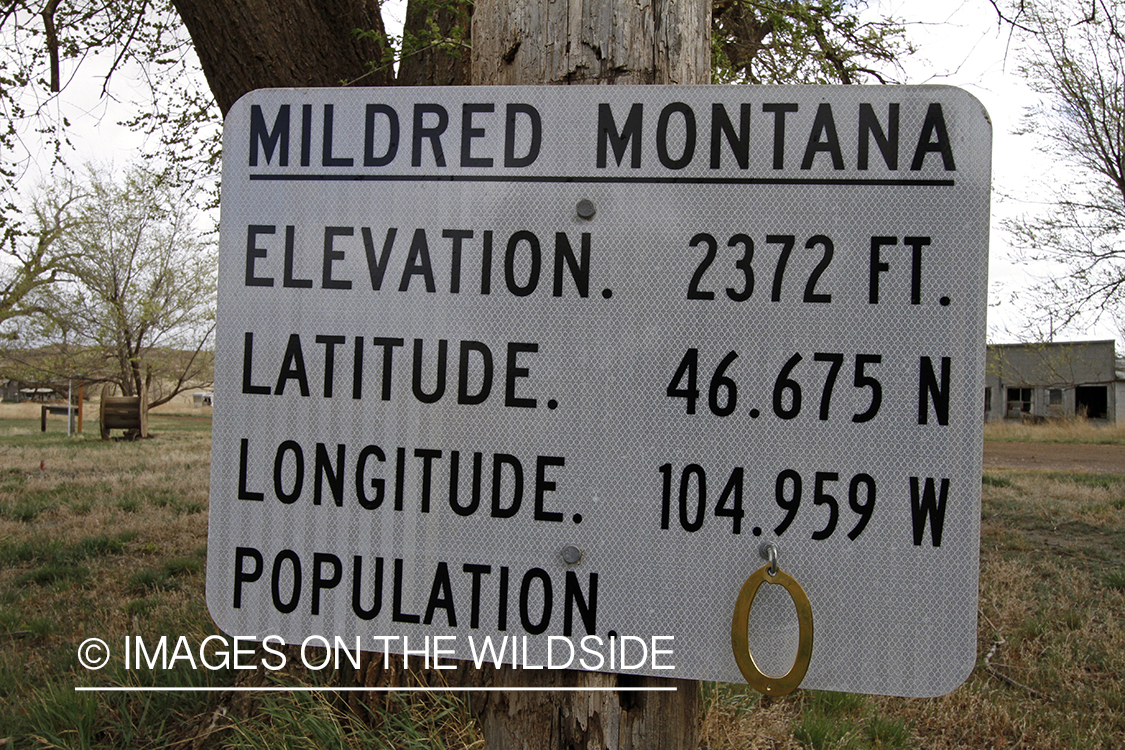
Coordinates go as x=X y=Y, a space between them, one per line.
x=1056 y=431
x=109 y=540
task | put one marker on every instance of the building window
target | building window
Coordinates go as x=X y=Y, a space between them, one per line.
x=1019 y=400
x=1054 y=397
x=988 y=399
x=1091 y=401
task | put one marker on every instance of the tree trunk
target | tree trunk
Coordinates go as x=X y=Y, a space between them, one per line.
x=435 y=43
x=250 y=44
x=589 y=42
x=587 y=720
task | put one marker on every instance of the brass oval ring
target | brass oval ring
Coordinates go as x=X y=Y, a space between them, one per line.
x=740 y=639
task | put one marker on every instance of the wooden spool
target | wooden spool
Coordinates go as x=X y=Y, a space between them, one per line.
x=129 y=413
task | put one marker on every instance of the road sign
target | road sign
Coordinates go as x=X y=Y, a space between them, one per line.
x=551 y=364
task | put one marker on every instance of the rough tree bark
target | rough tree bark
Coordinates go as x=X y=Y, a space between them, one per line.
x=251 y=44
x=589 y=42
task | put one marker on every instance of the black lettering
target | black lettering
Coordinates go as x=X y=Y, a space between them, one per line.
x=579 y=269
x=253 y=252
x=369 y=157
x=242 y=576
x=823 y=138
x=928 y=504
x=516 y=372
x=439 y=384
x=330 y=343
x=433 y=134
x=458 y=236
x=319 y=582
x=366 y=613
x=929 y=390
x=587 y=605
x=326 y=157
x=934 y=139
x=427 y=455
x=486 y=264
x=476 y=571
x=292 y=367
x=916 y=244
x=463 y=395
x=289 y=282
x=662 y=136
x=388 y=362
x=306 y=135
x=418 y=263
x=454 y=484
x=608 y=134
x=536 y=141
x=877 y=266
x=542 y=487
x=510 y=263
x=779 y=112
x=887 y=142
x=243 y=456
x=441 y=597
x=469 y=133
x=247 y=366
x=269 y=139
x=377 y=267
x=288 y=446
x=324 y=470
x=398 y=615
x=275 y=581
x=500 y=460
x=502 y=609
x=331 y=256
x=535 y=628
x=357 y=369
x=377 y=483
x=400 y=476
x=722 y=126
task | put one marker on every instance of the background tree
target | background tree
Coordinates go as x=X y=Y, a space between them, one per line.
x=240 y=46
x=791 y=41
x=34 y=261
x=135 y=303
x=1075 y=58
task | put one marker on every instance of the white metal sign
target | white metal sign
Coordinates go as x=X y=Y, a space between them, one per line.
x=525 y=372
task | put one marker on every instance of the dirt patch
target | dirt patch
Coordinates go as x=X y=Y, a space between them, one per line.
x=1079 y=457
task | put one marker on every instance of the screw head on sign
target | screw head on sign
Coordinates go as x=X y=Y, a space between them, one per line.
x=571 y=554
x=586 y=209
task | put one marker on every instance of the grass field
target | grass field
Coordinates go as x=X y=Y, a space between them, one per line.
x=109 y=540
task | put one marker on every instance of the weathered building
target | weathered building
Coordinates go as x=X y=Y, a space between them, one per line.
x=1055 y=380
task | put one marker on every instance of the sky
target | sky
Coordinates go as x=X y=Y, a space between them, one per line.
x=960 y=43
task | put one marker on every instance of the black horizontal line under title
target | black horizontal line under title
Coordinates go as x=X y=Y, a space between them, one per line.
x=844 y=181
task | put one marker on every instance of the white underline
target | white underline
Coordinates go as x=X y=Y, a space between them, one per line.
x=373 y=689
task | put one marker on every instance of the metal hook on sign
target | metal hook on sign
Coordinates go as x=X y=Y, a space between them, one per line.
x=768 y=552
x=740 y=623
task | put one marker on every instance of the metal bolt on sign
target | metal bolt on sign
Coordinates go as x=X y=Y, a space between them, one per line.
x=740 y=641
